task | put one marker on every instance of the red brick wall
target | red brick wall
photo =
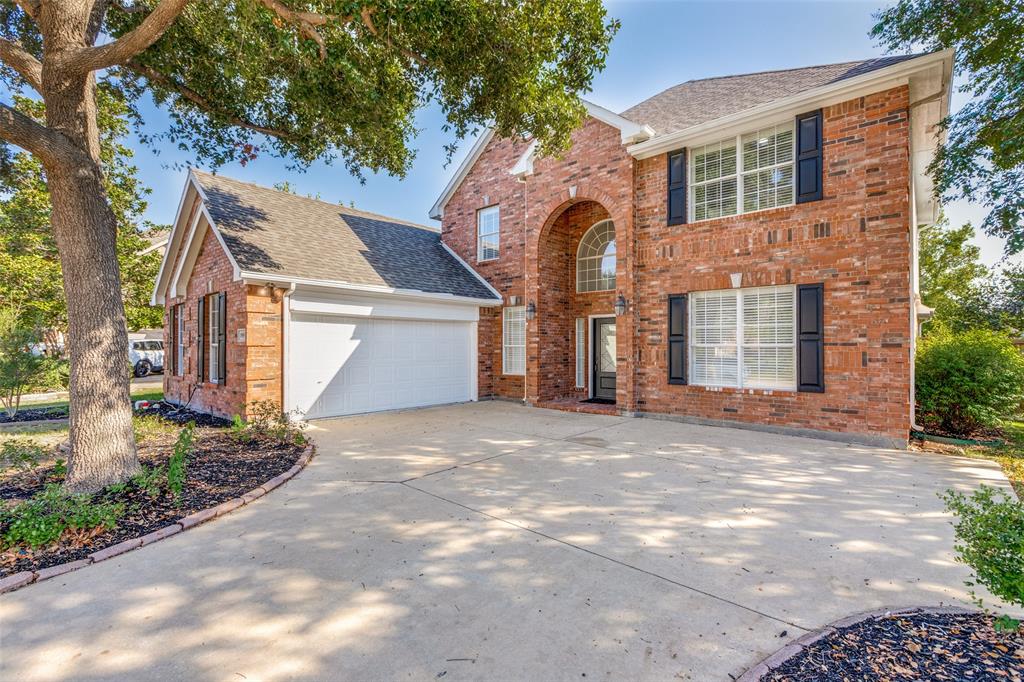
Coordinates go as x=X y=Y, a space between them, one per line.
x=254 y=358
x=596 y=168
x=856 y=240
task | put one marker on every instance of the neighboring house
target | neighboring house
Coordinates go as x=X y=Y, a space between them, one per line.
x=737 y=250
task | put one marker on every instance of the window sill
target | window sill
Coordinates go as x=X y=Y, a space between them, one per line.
x=487 y=260
x=740 y=391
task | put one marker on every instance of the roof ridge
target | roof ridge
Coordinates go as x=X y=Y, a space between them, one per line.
x=342 y=207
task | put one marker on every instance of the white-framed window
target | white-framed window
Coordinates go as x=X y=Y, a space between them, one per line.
x=513 y=340
x=488 y=227
x=744 y=338
x=179 y=340
x=213 y=367
x=745 y=173
x=595 y=258
x=581 y=352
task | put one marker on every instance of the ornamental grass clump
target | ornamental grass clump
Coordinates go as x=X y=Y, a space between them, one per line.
x=968 y=381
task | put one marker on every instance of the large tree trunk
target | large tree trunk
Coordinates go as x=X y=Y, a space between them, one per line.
x=85 y=229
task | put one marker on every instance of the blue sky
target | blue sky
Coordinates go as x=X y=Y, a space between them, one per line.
x=660 y=44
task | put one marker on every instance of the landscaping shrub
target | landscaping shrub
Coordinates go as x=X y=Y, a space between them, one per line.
x=154 y=480
x=268 y=420
x=52 y=375
x=968 y=381
x=21 y=454
x=179 y=459
x=18 y=365
x=44 y=518
x=990 y=539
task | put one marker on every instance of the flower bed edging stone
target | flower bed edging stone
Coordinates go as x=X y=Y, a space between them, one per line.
x=794 y=648
x=19 y=580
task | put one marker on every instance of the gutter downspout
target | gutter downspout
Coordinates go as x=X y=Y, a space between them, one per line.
x=526 y=221
x=286 y=319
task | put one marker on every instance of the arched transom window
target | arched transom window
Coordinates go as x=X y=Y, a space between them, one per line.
x=595 y=260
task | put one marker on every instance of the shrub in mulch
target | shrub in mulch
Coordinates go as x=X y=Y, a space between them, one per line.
x=32 y=415
x=920 y=646
x=221 y=466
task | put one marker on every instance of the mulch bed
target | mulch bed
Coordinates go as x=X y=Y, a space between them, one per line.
x=919 y=646
x=33 y=415
x=219 y=469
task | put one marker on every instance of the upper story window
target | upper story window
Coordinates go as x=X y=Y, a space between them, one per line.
x=488 y=225
x=743 y=173
x=595 y=260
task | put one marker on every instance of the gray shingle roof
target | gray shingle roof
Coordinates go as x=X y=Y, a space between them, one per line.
x=277 y=233
x=698 y=101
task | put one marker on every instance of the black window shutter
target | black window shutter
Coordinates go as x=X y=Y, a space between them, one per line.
x=201 y=340
x=811 y=338
x=222 y=338
x=808 y=157
x=677 y=339
x=170 y=349
x=677 y=187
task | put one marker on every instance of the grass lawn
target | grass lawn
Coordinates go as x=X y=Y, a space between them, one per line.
x=144 y=392
x=1009 y=456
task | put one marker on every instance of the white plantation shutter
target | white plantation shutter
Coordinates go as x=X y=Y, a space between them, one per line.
x=744 y=338
x=513 y=340
x=713 y=334
x=768 y=168
x=769 y=338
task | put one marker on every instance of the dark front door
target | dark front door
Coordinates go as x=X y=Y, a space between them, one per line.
x=604 y=358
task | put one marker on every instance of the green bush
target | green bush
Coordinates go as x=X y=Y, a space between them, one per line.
x=18 y=365
x=967 y=381
x=990 y=539
x=52 y=375
x=268 y=420
x=21 y=454
x=44 y=518
x=178 y=460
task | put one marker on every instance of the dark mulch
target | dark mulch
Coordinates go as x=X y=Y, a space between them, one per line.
x=910 y=647
x=219 y=469
x=184 y=415
x=32 y=415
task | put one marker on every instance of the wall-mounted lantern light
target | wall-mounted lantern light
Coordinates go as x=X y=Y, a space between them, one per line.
x=531 y=310
x=620 y=304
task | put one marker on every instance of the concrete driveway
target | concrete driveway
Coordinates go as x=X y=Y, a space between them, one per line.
x=492 y=541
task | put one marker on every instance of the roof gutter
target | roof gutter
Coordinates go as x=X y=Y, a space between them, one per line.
x=260 y=278
x=807 y=99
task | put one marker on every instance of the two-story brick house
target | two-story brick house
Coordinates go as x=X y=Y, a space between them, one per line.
x=736 y=250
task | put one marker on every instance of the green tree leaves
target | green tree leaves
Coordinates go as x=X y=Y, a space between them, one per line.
x=983 y=158
x=30 y=272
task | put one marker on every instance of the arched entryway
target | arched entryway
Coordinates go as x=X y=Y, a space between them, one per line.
x=576 y=285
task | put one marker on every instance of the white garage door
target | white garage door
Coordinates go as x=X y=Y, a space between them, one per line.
x=346 y=365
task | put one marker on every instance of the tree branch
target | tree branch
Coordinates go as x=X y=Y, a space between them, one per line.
x=47 y=144
x=21 y=60
x=367 y=18
x=130 y=44
x=30 y=7
x=306 y=22
x=204 y=103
